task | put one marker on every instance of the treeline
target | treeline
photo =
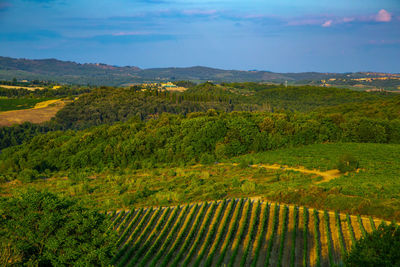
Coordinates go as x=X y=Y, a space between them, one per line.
x=387 y=109
x=303 y=98
x=174 y=139
x=41 y=93
x=16 y=135
x=107 y=105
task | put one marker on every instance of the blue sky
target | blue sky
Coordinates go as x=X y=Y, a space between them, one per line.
x=273 y=35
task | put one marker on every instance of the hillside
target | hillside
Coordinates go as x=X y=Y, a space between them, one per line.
x=229 y=232
x=103 y=74
x=108 y=104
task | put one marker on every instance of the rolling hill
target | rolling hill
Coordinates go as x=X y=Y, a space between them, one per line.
x=103 y=74
x=236 y=232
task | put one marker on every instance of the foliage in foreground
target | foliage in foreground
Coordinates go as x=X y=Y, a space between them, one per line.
x=378 y=248
x=42 y=229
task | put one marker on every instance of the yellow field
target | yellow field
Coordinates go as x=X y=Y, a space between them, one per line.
x=46 y=103
x=42 y=112
x=21 y=87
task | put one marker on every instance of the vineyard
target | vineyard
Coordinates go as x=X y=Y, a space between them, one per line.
x=235 y=233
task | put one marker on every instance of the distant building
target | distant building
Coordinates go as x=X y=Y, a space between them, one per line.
x=168 y=85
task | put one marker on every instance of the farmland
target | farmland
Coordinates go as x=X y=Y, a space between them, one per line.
x=235 y=232
x=40 y=111
x=8 y=104
x=120 y=149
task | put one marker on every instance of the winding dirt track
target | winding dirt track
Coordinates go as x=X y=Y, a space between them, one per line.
x=326 y=175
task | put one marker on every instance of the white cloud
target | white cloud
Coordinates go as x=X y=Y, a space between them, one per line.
x=383 y=16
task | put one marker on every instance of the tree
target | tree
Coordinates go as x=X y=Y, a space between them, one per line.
x=42 y=229
x=379 y=248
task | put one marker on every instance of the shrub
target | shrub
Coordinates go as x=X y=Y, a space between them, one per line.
x=347 y=163
x=248 y=187
x=172 y=172
x=207 y=159
x=28 y=175
x=42 y=229
x=378 y=248
x=244 y=163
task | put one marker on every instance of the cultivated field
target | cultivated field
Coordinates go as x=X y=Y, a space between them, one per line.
x=22 y=87
x=42 y=112
x=238 y=232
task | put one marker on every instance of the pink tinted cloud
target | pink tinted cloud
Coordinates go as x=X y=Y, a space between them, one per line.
x=383 y=16
x=345 y=20
x=327 y=23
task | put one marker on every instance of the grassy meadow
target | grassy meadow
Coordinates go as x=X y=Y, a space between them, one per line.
x=7 y=104
x=371 y=190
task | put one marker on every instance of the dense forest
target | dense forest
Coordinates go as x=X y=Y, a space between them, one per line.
x=175 y=139
x=64 y=91
x=107 y=105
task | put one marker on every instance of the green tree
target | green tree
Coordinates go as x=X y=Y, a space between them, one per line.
x=42 y=229
x=379 y=248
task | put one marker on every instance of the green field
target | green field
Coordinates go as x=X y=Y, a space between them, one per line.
x=7 y=104
x=373 y=190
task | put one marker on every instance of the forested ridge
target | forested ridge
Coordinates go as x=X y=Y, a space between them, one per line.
x=175 y=139
x=107 y=105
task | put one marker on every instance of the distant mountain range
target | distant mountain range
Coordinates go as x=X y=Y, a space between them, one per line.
x=102 y=74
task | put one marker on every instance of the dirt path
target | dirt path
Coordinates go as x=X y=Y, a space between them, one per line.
x=269 y=235
x=346 y=231
x=323 y=239
x=337 y=258
x=326 y=175
x=259 y=237
x=300 y=238
x=288 y=240
x=246 y=241
x=311 y=246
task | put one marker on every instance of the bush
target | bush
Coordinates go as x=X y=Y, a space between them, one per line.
x=42 y=229
x=28 y=175
x=244 y=163
x=378 y=248
x=347 y=163
x=207 y=159
x=248 y=187
x=172 y=172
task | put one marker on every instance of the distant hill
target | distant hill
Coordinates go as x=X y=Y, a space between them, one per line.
x=102 y=74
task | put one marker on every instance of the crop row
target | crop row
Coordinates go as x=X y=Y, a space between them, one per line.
x=237 y=232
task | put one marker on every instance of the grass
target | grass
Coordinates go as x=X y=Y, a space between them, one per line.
x=7 y=104
x=374 y=190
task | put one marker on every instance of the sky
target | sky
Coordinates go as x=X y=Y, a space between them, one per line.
x=271 y=35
